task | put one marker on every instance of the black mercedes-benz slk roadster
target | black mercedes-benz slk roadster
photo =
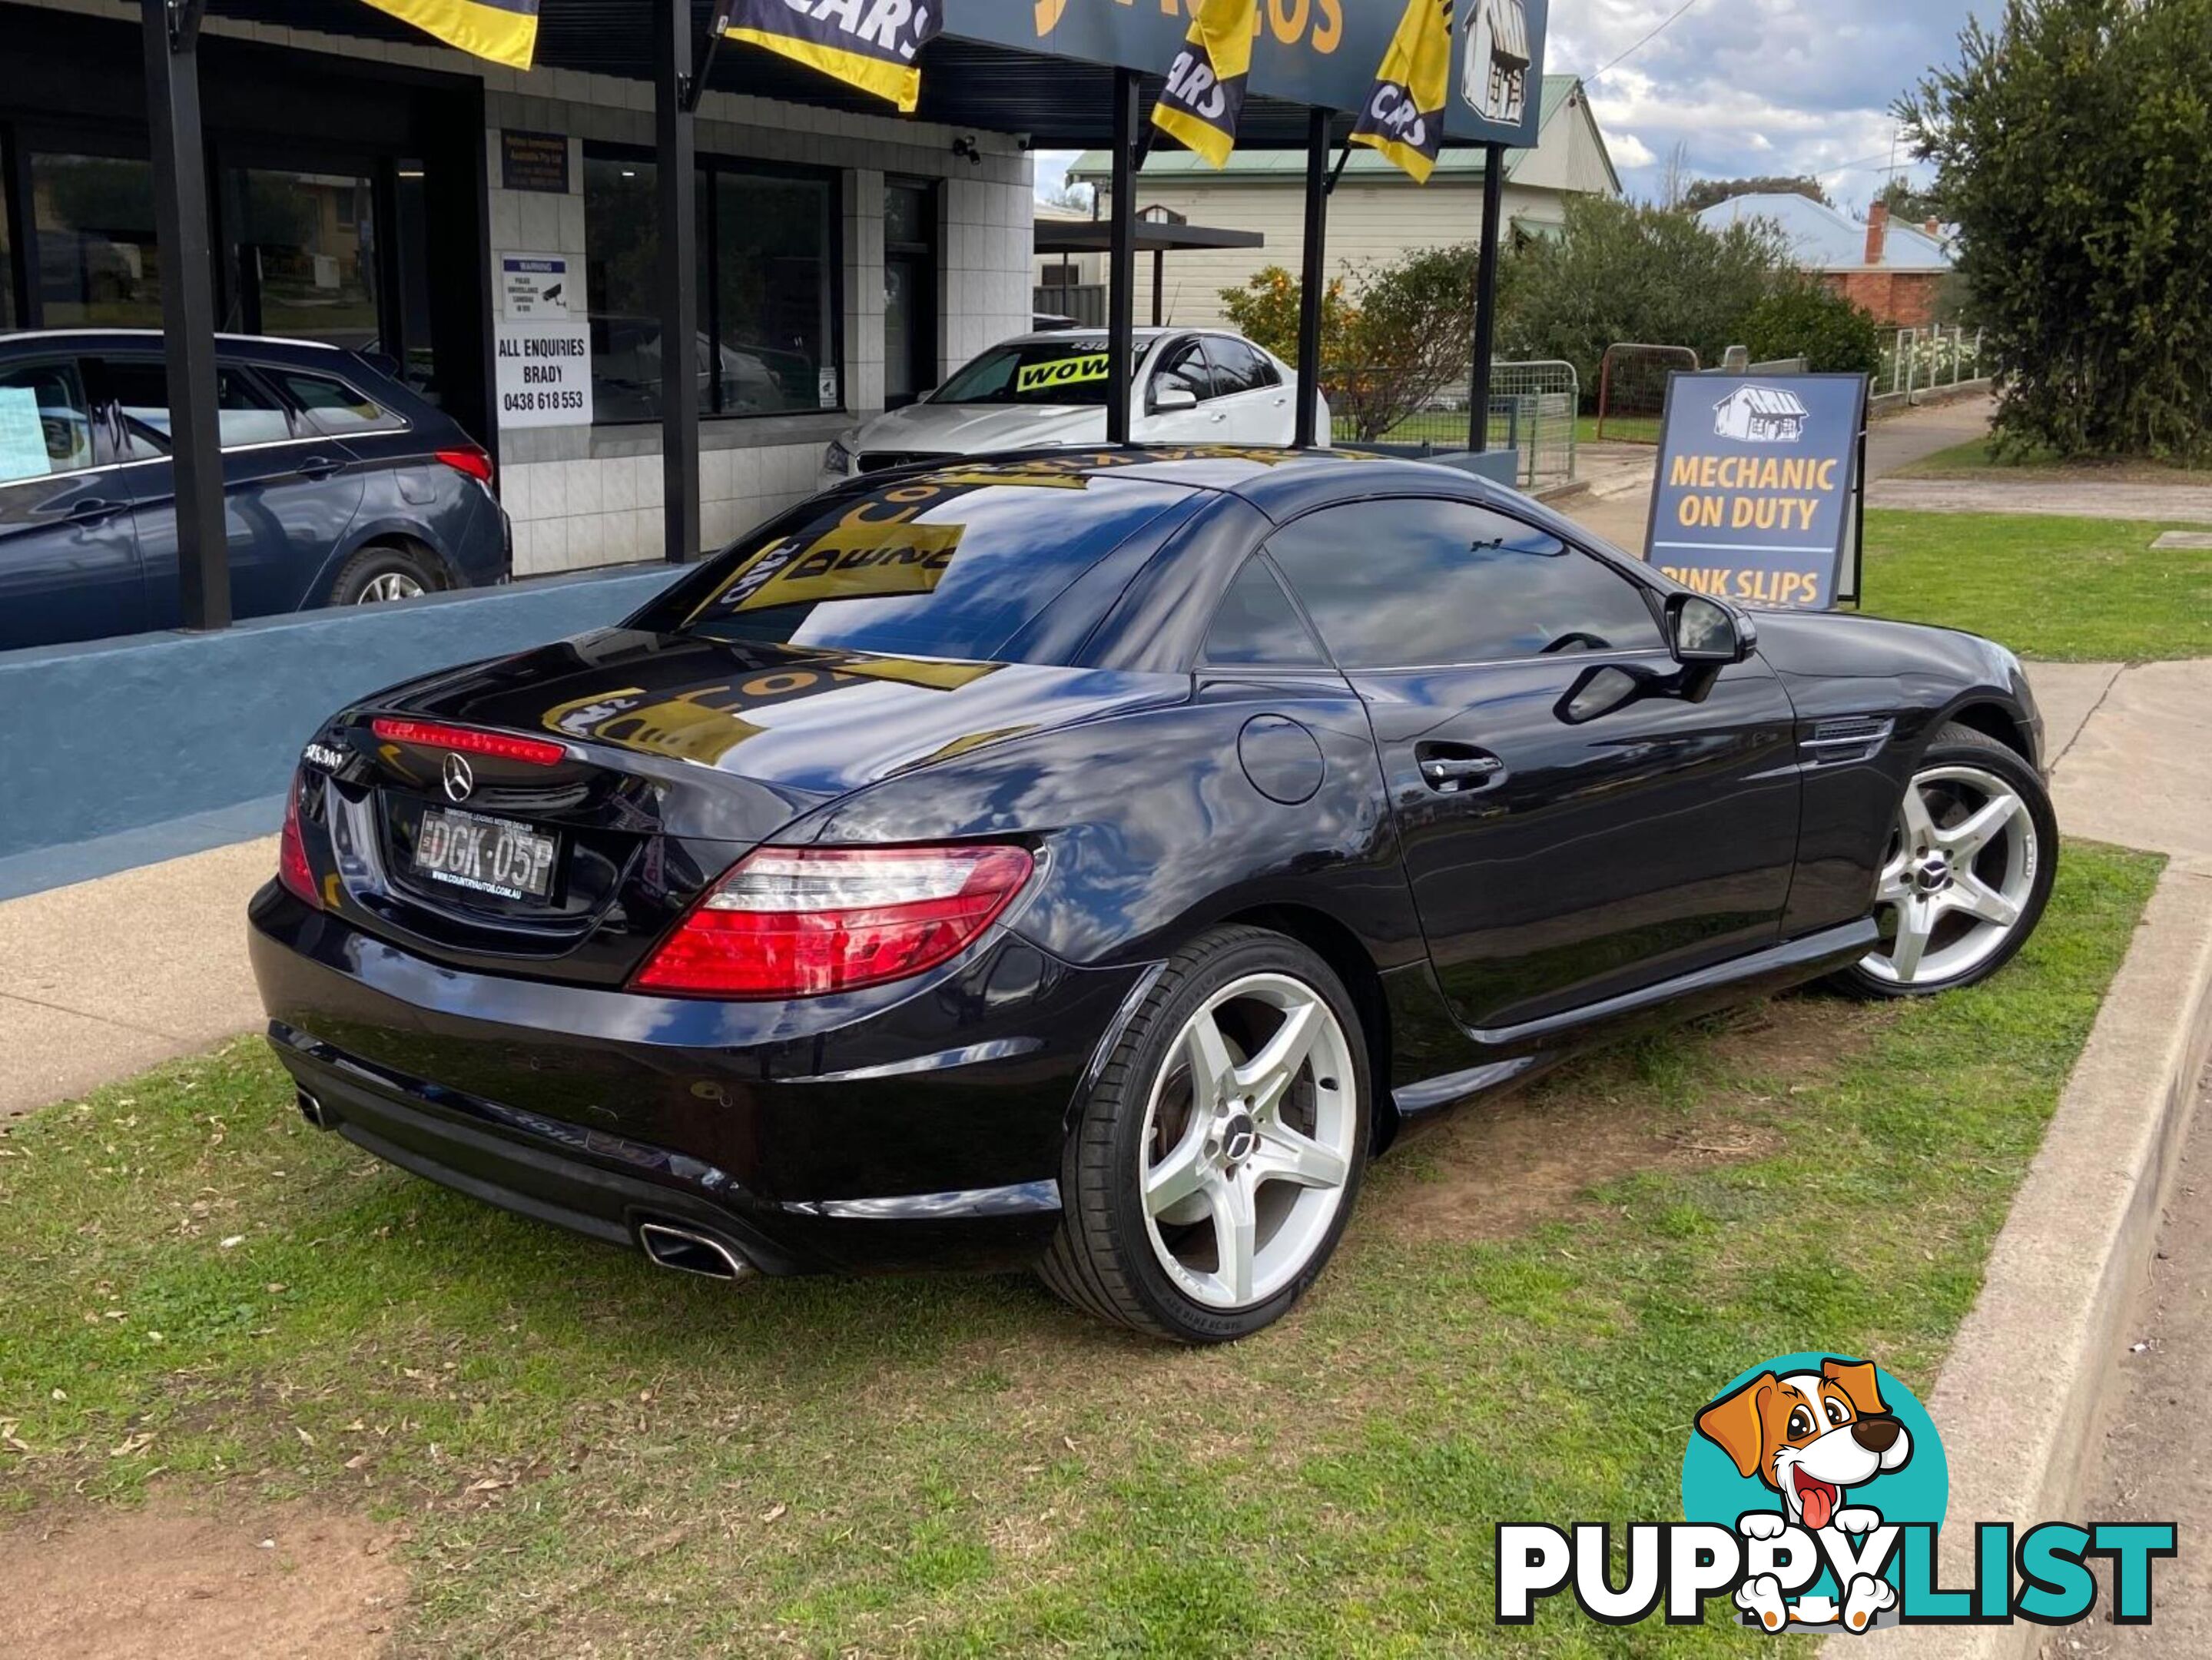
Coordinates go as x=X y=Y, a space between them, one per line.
x=1090 y=861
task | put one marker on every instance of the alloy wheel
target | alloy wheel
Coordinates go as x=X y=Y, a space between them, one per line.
x=1248 y=1141
x=389 y=584
x=1957 y=878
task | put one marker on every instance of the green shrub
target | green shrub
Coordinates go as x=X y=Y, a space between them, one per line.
x=2072 y=145
x=1808 y=320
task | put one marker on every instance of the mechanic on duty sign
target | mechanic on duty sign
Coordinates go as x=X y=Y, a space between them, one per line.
x=1758 y=485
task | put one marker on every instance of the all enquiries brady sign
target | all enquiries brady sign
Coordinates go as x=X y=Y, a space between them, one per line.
x=1758 y=484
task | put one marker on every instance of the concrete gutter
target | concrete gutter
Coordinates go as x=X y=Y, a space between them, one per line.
x=2063 y=1273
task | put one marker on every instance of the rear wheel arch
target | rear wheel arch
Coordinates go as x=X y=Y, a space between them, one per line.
x=434 y=563
x=1339 y=947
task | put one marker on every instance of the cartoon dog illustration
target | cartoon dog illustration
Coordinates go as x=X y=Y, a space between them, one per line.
x=1810 y=1436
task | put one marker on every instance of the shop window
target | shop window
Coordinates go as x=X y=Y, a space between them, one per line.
x=909 y=291
x=7 y=320
x=768 y=293
x=301 y=248
x=97 y=266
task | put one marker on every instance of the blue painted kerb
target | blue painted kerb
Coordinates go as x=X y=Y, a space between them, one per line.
x=118 y=735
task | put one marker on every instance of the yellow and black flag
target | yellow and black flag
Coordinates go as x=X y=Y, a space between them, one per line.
x=1204 y=92
x=1404 y=117
x=505 y=31
x=873 y=45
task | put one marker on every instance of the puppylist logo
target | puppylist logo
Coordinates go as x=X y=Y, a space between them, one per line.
x=1813 y=1488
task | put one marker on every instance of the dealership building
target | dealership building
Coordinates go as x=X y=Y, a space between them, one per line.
x=369 y=187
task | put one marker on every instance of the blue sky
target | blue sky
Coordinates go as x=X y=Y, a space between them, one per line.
x=1749 y=86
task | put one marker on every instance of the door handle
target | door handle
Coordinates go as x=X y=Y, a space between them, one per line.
x=318 y=466
x=1452 y=767
x=1219 y=416
x=92 y=509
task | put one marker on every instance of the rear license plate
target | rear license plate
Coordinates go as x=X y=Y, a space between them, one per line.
x=489 y=854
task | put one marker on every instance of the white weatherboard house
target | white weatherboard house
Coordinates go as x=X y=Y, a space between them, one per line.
x=1760 y=415
x=1376 y=214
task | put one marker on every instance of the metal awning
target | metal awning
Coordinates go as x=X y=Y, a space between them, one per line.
x=1152 y=236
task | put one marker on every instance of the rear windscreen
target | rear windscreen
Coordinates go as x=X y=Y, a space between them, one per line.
x=949 y=564
x=1072 y=370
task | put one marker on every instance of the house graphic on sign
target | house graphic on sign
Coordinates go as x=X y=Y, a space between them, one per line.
x=1760 y=415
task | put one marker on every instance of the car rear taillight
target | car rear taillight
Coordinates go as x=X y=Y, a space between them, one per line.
x=471 y=461
x=293 y=869
x=437 y=735
x=801 y=922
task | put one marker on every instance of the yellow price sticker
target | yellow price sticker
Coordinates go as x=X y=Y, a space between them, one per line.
x=1061 y=371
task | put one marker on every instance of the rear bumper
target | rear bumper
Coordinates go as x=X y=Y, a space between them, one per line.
x=924 y=1135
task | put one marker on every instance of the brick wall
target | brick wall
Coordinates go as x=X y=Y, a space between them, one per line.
x=1905 y=299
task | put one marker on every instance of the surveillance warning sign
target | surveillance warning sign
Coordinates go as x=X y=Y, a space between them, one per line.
x=1757 y=491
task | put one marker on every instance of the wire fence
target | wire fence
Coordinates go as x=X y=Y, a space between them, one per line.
x=1532 y=411
x=1927 y=359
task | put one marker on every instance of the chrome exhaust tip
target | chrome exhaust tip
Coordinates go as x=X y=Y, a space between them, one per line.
x=690 y=1253
x=311 y=1110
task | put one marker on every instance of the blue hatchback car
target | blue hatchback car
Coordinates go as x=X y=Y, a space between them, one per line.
x=342 y=487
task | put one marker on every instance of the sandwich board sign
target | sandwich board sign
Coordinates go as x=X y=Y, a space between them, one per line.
x=1758 y=494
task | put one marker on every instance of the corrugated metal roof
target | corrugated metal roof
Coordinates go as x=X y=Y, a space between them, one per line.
x=1822 y=237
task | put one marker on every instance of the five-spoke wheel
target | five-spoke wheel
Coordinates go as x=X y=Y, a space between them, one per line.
x=1248 y=1140
x=1967 y=869
x=1220 y=1152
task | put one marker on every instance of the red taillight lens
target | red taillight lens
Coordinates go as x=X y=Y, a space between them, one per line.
x=800 y=921
x=473 y=462
x=437 y=735
x=293 y=869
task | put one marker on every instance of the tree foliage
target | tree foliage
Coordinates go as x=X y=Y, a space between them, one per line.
x=1393 y=335
x=1907 y=203
x=1702 y=193
x=1625 y=272
x=2071 y=144
x=1808 y=318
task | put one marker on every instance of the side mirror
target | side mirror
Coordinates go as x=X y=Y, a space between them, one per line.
x=1168 y=399
x=1703 y=630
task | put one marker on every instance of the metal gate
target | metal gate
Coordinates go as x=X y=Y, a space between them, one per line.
x=1532 y=407
x=1631 y=389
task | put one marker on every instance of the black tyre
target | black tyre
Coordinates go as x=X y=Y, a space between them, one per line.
x=1967 y=870
x=379 y=573
x=1214 y=1165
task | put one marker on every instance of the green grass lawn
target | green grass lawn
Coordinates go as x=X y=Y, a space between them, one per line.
x=2068 y=590
x=208 y=1299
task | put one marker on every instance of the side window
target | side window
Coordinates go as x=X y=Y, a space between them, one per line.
x=1256 y=622
x=1408 y=583
x=46 y=425
x=139 y=389
x=1239 y=366
x=1183 y=365
x=333 y=408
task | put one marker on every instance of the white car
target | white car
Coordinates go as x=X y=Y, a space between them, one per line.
x=1191 y=387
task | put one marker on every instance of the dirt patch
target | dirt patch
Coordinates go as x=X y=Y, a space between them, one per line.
x=272 y=1581
x=1496 y=1168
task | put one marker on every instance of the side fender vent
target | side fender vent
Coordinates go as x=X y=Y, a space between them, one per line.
x=1845 y=739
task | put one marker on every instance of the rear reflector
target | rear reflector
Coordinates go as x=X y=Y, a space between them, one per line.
x=435 y=735
x=803 y=921
x=473 y=462
x=293 y=869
